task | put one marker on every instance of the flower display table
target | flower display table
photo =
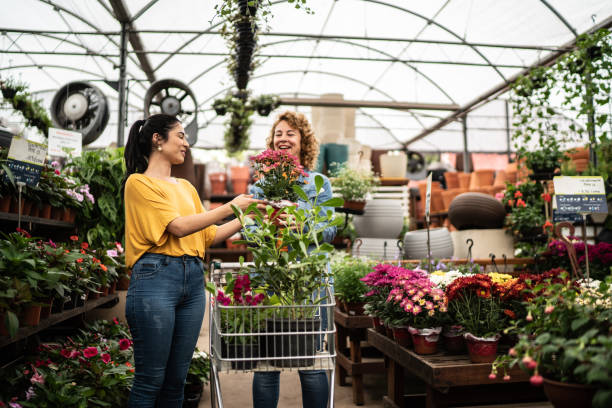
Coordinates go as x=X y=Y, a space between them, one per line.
x=353 y=327
x=449 y=379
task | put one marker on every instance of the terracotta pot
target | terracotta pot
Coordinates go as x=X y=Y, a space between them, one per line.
x=354 y=205
x=5 y=203
x=578 y=153
x=482 y=178
x=45 y=212
x=30 y=316
x=112 y=288
x=389 y=332
x=452 y=179
x=123 y=284
x=240 y=179
x=425 y=341
x=354 y=308
x=464 y=180
x=15 y=206
x=481 y=351
x=217 y=183
x=104 y=291
x=27 y=207
x=35 y=212
x=45 y=311
x=378 y=326
x=567 y=395
x=580 y=164
x=500 y=178
x=402 y=336
x=240 y=186
x=57 y=213
x=229 y=243
x=454 y=343
x=94 y=294
x=449 y=195
x=68 y=215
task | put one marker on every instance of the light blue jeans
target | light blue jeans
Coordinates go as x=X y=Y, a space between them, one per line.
x=314 y=383
x=164 y=309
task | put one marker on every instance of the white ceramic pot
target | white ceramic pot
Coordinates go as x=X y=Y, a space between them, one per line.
x=415 y=243
x=486 y=241
x=393 y=164
x=375 y=248
x=382 y=219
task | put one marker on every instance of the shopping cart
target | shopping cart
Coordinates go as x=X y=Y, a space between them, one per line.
x=270 y=338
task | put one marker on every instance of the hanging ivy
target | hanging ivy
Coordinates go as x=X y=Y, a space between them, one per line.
x=32 y=110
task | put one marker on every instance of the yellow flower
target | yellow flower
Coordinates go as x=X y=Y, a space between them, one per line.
x=500 y=277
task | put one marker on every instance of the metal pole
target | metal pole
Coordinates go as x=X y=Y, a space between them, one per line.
x=122 y=85
x=466 y=158
x=508 y=128
x=591 y=122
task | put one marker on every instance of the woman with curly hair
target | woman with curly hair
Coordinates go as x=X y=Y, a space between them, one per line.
x=292 y=132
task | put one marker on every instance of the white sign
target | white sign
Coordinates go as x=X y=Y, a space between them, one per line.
x=428 y=196
x=579 y=185
x=60 y=139
x=27 y=151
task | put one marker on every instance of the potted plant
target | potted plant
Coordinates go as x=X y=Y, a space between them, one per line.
x=278 y=173
x=474 y=303
x=239 y=320
x=424 y=307
x=545 y=160
x=264 y=104
x=564 y=342
x=353 y=186
x=291 y=263
x=348 y=286
x=197 y=376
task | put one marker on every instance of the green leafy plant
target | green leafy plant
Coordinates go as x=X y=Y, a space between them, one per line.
x=353 y=185
x=32 y=110
x=264 y=104
x=348 y=272
x=199 y=369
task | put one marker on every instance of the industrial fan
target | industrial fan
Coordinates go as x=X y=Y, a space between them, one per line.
x=173 y=97
x=80 y=107
x=416 y=165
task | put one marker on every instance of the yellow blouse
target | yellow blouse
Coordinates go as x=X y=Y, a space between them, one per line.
x=150 y=205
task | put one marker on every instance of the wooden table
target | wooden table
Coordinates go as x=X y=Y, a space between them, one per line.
x=449 y=379
x=353 y=327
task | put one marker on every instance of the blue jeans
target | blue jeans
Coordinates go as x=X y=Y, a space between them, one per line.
x=164 y=309
x=315 y=389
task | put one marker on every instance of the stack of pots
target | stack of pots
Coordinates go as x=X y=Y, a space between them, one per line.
x=381 y=223
x=240 y=179
x=441 y=243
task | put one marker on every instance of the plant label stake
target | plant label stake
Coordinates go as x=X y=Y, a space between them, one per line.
x=427 y=209
x=582 y=195
x=20 y=184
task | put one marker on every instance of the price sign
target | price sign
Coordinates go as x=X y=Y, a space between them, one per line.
x=26 y=160
x=571 y=217
x=580 y=195
x=61 y=140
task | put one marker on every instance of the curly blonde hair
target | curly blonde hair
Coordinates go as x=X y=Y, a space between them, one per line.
x=309 y=147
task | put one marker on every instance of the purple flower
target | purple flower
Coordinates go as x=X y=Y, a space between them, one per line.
x=52 y=244
x=30 y=393
x=55 y=164
x=111 y=253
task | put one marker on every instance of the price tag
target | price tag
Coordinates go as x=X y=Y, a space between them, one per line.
x=26 y=160
x=428 y=196
x=580 y=195
x=61 y=140
x=571 y=217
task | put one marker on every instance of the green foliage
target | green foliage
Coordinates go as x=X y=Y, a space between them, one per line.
x=353 y=185
x=32 y=110
x=483 y=317
x=347 y=273
x=199 y=368
x=103 y=171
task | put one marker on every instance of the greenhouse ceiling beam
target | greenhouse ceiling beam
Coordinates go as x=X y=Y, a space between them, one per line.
x=560 y=17
x=312 y=36
x=503 y=87
x=345 y=103
x=123 y=16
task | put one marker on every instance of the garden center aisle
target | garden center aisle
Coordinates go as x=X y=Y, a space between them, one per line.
x=236 y=388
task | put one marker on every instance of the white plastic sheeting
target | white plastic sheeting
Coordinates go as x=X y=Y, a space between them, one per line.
x=423 y=72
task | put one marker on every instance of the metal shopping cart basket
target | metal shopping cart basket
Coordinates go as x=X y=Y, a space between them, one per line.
x=270 y=338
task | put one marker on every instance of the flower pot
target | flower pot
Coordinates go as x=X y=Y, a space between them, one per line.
x=58 y=305
x=389 y=332
x=482 y=350
x=355 y=205
x=402 y=336
x=68 y=215
x=57 y=213
x=291 y=345
x=112 y=288
x=5 y=203
x=240 y=179
x=35 y=211
x=15 y=205
x=476 y=211
x=45 y=310
x=123 y=284
x=452 y=179
x=415 y=243
x=229 y=243
x=340 y=304
x=191 y=399
x=94 y=294
x=220 y=111
x=393 y=165
x=26 y=208
x=104 y=291
x=567 y=395
x=264 y=110
x=30 y=316
x=217 y=183
x=354 y=308
x=378 y=326
x=236 y=351
x=425 y=341
x=45 y=212
x=8 y=93
x=454 y=342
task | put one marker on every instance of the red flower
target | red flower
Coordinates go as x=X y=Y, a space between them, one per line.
x=536 y=380
x=79 y=260
x=84 y=245
x=90 y=352
x=65 y=353
x=509 y=313
x=546 y=197
x=547 y=225
x=115 y=320
x=57 y=172
x=124 y=344
x=520 y=203
x=24 y=232
x=103 y=267
x=74 y=238
x=518 y=194
x=106 y=358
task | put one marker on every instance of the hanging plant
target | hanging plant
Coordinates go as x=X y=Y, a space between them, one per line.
x=264 y=104
x=237 y=127
x=32 y=110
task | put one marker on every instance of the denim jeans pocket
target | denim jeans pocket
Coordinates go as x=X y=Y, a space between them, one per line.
x=145 y=269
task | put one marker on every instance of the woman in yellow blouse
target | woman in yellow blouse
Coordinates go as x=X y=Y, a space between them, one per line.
x=166 y=234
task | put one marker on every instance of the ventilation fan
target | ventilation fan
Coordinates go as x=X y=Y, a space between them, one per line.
x=174 y=98
x=80 y=107
x=416 y=165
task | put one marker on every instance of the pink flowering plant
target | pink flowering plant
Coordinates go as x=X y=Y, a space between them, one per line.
x=423 y=303
x=565 y=337
x=600 y=257
x=278 y=171
x=234 y=305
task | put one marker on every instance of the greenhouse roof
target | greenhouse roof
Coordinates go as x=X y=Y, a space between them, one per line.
x=429 y=52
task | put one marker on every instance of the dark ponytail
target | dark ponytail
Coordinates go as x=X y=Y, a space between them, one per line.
x=139 y=144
